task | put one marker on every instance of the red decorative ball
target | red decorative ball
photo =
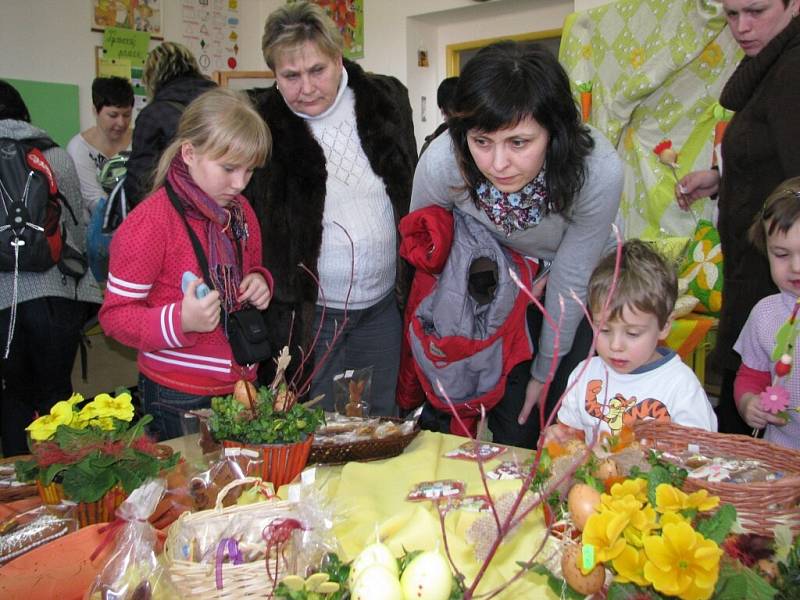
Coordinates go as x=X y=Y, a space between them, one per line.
x=232 y=62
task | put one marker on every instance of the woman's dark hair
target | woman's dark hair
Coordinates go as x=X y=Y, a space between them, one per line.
x=12 y=106
x=111 y=91
x=507 y=82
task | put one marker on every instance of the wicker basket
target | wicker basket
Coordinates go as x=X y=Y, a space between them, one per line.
x=361 y=450
x=762 y=505
x=246 y=580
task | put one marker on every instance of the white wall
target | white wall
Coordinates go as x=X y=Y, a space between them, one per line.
x=50 y=40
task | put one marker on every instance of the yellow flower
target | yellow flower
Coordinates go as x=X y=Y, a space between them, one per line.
x=682 y=563
x=637 y=57
x=711 y=55
x=670 y=498
x=672 y=517
x=633 y=487
x=105 y=423
x=104 y=405
x=627 y=504
x=603 y=531
x=45 y=427
x=702 y=501
x=75 y=399
x=629 y=566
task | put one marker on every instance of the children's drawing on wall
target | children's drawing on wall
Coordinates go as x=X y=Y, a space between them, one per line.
x=210 y=29
x=349 y=16
x=141 y=15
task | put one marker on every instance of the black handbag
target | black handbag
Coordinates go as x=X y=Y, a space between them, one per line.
x=245 y=328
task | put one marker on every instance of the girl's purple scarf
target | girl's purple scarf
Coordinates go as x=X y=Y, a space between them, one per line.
x=225 y=228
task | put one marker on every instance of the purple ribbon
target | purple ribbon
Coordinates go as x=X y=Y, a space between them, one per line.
x=231 y=546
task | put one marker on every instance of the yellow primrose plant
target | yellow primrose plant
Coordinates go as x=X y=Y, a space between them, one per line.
x=91 y=447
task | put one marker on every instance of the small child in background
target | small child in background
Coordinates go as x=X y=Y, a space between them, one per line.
x=776 y=232
x=632 y=378
x=184 y=356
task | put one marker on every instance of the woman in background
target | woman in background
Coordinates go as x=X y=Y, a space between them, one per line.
x=112 y=100
x=518 y=159
x=760 y=149
x=172 y=79
x=330 y=198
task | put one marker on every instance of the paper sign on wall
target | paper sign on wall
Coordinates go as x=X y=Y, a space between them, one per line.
x=114 y=67
x=126 y=44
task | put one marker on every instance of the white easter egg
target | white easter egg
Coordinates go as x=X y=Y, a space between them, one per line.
x=374 y=554
x=376 y=582
x=427 y=577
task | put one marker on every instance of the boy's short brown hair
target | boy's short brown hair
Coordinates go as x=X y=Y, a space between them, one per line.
x=647 y=282
x=781 y=210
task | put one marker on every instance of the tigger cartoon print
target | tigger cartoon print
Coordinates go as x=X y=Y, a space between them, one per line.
x=619 y=411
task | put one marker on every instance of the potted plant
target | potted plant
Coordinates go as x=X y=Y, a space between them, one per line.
x=270 y=421
x=93 y=454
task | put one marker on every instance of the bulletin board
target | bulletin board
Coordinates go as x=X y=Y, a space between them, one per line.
x=54 y=107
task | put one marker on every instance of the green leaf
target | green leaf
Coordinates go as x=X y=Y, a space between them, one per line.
x=136 y=431
x=26 y=470
x=717 y=527
x=51 y=472
x=559 y=586
x=82 y=484
x=737 y=582
x=627 y=591
x=783 y=541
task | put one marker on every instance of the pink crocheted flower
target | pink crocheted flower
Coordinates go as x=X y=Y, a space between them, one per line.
x=774 y=399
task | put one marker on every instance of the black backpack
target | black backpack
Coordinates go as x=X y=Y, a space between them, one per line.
x=32 y=237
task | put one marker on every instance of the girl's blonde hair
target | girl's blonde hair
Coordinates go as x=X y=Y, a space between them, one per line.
x=219 y=123
x=166 y=62
x=781 y=210
x=292 y=25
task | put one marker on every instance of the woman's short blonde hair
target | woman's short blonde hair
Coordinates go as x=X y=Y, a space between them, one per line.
x=292 y=25
x=220 y=123
x=166 y=62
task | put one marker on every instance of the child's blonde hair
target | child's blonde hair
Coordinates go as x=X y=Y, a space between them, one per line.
x=647 y=282
x=219 y=123
x=781 y=210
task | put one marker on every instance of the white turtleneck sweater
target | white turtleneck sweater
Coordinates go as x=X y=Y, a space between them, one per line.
x=356 y=199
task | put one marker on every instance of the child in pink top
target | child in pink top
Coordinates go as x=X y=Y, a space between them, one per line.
x=184 y=356
x=776 y=232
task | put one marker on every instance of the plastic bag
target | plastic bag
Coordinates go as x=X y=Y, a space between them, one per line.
x=351 y=392
x=133 y=571
x=232 y=463
x=30 y=529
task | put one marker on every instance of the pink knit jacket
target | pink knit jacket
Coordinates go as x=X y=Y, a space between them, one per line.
x=148 y=256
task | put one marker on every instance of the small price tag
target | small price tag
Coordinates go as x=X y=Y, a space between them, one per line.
x=588 y=557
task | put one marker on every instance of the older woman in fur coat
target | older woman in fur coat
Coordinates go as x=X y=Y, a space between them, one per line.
x=329 y=200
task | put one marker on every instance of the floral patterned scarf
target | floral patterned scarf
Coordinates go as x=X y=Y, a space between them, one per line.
x=514 y=211
x=225 y=227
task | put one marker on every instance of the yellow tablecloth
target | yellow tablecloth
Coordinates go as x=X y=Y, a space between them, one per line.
x=369 y=499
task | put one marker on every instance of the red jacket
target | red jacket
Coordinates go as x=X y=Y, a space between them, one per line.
x=148 y=256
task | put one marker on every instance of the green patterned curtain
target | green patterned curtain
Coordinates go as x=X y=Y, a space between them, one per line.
x=656 y=68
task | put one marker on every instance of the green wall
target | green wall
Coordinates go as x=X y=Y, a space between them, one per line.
x=53 y=107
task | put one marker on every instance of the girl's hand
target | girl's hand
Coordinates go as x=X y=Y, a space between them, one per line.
x=696 y=185
x=254 y=289
x=532 y=393
x=199 y=314
x=750 y=409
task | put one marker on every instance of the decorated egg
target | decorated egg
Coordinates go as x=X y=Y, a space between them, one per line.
x=374 y=554
x=581 y=502
x=583 y=584
x=376 y=582
x=427 y=577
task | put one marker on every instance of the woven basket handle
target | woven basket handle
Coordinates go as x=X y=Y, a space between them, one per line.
x=235 y=483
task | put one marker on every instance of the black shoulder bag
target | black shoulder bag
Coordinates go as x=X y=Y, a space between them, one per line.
x=245 y=328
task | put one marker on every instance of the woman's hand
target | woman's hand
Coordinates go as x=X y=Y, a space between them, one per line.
x=750 y=408
x=532 y=393
x=199 y=314
x=254 y=289
x=696 y=185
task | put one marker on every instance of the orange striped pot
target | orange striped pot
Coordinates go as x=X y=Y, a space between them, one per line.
x=87 y=513
x=282 y=462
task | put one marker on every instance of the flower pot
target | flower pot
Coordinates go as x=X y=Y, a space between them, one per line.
x=87 y=513
x=282 y=462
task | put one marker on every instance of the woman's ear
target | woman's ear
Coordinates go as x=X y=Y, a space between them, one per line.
x=187 y=153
